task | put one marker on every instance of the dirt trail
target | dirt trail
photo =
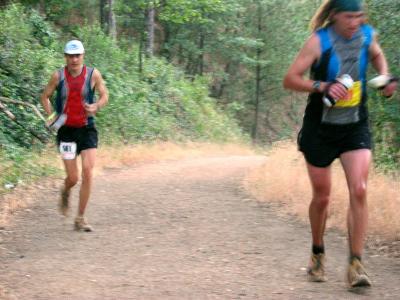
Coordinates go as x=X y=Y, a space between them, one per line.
x=174 y=230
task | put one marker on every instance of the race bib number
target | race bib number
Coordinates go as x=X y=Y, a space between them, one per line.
x=353 y=96
x=68 y=150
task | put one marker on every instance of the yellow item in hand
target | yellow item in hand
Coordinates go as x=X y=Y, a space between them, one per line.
x=51 y=117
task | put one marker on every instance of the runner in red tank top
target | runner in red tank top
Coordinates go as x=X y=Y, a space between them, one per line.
x=75 y=86
x=75 y=110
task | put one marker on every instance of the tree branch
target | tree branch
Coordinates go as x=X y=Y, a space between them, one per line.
x=34 y=108
x=12 y=117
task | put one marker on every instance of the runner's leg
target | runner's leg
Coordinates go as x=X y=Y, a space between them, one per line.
x=356 y=166
x=318 y=211
x=88 y=160
x=71 y=168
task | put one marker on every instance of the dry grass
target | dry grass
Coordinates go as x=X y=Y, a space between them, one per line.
x=283 y=179
x=114 y=157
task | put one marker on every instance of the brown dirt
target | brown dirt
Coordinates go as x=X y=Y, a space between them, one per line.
x=182 y=229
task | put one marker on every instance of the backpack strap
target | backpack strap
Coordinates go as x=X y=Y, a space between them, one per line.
x=368 y=33
x=90 y=98
x=61 y=91
x=90 y=92
x=317 y=71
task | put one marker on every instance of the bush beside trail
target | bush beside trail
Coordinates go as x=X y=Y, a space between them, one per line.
x=158 y=103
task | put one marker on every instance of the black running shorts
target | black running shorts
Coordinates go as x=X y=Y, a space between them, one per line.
x=321 y=144
x=84 y=137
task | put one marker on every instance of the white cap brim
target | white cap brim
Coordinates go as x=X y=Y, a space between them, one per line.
x=74 y=52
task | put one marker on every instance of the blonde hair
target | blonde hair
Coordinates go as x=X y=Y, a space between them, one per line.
x=322 y=17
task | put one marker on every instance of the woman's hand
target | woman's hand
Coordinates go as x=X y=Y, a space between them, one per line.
x=336 y=91
x=389 y=89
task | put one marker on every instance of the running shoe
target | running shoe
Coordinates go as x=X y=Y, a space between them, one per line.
x=82 y=225
x=356 y=275
x=316 y=268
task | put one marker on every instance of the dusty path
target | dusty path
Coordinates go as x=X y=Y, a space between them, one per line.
x=174 y=230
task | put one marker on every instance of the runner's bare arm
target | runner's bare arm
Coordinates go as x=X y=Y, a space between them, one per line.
x=379 y=62
x=101 y=89
x=48 y=92
x=307 y=56
x=378 y=59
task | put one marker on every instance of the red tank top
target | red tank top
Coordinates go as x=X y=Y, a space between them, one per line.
x=74 y=107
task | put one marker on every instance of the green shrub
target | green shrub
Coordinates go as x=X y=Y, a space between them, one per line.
x=157 y=104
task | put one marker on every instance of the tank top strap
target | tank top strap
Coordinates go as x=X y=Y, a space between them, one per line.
x=368 y=32
x=325 y=41
x=61 y=75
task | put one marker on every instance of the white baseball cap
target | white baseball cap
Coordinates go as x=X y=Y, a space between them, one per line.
x=74 y=47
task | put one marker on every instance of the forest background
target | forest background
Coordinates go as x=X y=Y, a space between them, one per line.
x=176 y=70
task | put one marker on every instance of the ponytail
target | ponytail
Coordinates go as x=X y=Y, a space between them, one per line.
x=321 y=17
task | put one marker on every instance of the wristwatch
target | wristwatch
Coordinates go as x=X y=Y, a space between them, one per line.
x=316 y=86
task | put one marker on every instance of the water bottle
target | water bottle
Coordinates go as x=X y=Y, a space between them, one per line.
x=58 y=122
x=381 y=81
x=346 y=81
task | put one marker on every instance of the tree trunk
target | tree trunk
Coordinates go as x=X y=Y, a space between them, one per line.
x=112 y=27
x=201 y=56
x=41 y=7
x=257 y=100
x=3 y=2
x=141 y=53
x=103 y=12
x=258 y=80
x=224 y=81
x=191 y=66
x=217 y=89
x=150 y=30
x=180 y=55
x=165 y=52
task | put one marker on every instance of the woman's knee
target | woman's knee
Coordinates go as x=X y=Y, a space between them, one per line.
x=321 y=186
x=321 y=202
x=359 y=192
x=321 y=192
